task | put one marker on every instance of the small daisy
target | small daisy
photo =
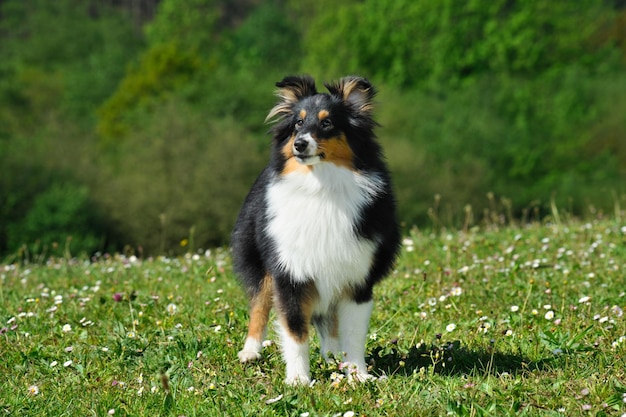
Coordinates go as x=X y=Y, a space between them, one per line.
x=450 y=327
x=456 y=291
x=33 y=390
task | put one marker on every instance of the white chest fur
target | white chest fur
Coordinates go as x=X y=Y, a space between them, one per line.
x=312 y=218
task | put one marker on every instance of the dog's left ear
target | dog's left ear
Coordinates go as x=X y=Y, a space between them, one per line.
x=358 y=92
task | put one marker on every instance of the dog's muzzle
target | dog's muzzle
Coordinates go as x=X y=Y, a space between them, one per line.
x=305 y=149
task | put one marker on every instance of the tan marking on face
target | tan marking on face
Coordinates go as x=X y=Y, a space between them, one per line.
x=337 y=151
x=302 y=114
x=291 y=164
x=260 y=307
x=323 y=114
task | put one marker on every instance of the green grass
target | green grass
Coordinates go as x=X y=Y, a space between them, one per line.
x=516 y=321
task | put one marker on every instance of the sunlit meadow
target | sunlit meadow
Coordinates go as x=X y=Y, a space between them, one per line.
x=516 y=321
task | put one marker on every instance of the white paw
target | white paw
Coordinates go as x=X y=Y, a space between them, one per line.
x=294 y=380
x=360 y=377
x=248 y=356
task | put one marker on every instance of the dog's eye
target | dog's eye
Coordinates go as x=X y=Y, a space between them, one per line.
x=299 y=123
x=326 y=124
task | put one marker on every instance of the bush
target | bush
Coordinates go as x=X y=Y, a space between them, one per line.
x=181 y=176
x=61 y=221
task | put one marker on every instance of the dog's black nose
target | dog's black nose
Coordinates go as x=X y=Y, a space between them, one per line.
x=300 y=145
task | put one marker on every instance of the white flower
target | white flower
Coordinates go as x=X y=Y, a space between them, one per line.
x=67 y=363
x=348 y=414
x=171 y=309
x=549 y=315
x=274 y=400
x=450 y=327
x=33 y=390
x=456 y=291
x=584 y=299
x=514 y=309
x=484 y=327
x=66 y=328
x=616 y=310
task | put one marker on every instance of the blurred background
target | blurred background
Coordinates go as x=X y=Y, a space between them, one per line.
x=137 y=125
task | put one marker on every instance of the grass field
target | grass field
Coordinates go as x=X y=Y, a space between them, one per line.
x=516 y=321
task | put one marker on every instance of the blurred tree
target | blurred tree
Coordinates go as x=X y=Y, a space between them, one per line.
x=58 y=61
x=61 y=221
x=180 y=171
x=441 y=44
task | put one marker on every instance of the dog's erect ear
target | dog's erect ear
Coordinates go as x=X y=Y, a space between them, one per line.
x=290 y=90
x=356 y=91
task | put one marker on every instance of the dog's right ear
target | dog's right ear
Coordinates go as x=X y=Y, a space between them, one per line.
x=290 y=90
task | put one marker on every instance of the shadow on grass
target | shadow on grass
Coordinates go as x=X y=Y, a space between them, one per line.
x=451 y=359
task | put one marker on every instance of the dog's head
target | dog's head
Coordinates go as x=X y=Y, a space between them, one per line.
x=314 y=127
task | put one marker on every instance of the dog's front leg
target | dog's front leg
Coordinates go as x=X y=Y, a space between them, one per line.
x=295 y=305
x=353 y=324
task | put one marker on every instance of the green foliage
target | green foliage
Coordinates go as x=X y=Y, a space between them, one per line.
x=193 y=27
x=517 y=104
x=443 y=44
x=526 y=141
x=266 y=39
x=84 y=46
x=180 y=173
x=162 y=69
x=61 y=221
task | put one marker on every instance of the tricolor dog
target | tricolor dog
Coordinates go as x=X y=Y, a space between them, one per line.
x=318 y=228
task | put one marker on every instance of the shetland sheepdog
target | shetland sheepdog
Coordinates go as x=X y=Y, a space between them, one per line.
x=318 y=228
